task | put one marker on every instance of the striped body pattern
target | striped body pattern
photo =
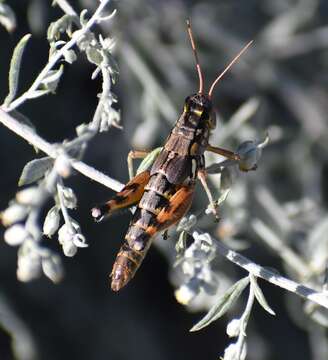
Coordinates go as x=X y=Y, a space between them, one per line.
x=142 y=227
x=164 y=194
x=166 y=191
x=173 y=167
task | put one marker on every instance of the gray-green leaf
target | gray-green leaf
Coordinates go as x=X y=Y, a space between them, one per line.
x=148 y=160
x=34 y=170
x=15 y=64
x=64 y=24
x=50 y=82
x=7 y=17
x=94 y=55
x=37 y=93
x=223 y=305
x=260 y=296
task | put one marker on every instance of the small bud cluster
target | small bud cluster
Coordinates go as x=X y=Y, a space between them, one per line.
x=196 y=269
x=66 y=36
x=69 y=234
x=33 y=260
x=70 y=238
x=21 y=216
x=99 y=53
x=22 y=231
x=233 y=352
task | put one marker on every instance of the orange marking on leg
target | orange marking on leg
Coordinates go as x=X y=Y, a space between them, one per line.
x=179 y=204
x=130 y=195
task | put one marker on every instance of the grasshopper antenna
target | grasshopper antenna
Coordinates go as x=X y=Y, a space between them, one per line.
x=228 y=67
x=199 y=70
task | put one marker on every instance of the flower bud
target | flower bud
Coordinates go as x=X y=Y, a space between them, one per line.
x=30 y=196
x=52 y=268
x=250 y=153
x=15 y=235
x=65 y=235
x=13 y=213
x=69 y=249
x=233 y=328
x=51 y=222
x=232 y=351
x=70 y=200
x=184 y=294
x=28 y=267
x=63 y=165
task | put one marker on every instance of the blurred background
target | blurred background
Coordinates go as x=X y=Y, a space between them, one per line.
x=276 y=215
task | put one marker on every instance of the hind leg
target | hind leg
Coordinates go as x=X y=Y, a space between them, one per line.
x=177 y=207
x=130 y=195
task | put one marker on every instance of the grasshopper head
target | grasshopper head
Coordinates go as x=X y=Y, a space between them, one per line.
x=200 y=107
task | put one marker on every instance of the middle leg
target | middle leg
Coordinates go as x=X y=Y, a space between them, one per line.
x=201 y=174
x=226 y=153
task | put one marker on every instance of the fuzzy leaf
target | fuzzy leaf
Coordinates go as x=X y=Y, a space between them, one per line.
x=260 y=296
x=111 y=65
x=7 y=17
x=15 y=64
x=223 y=305
x=60 y=26
x=50 y=82
x=94 y=55
x=148 y=160
x=34 y=170
x=37 y=93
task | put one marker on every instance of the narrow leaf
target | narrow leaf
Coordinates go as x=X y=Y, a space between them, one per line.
x=223 y=305
x=7 y=17
x=50 y=82
x=53 y=76
x=37 y=93
x=148 y=160
x=260 y=296
x=34 y=170
x=15 y=64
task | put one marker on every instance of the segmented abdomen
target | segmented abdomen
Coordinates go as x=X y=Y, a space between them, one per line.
x=142 y=228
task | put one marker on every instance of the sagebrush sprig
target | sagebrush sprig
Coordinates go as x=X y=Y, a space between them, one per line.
x=52 y=151
x=7 y=17
x=77 y=36
x=50 y=171
x=276 y=232
x=259 y=271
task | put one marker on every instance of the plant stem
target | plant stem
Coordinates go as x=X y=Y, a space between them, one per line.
x=272 y=277
x=32 y=138
x=56 y=57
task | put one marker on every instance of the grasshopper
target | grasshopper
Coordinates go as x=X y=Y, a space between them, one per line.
x=164 y=193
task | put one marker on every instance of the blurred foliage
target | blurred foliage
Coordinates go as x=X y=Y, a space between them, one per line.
x=277 y=214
